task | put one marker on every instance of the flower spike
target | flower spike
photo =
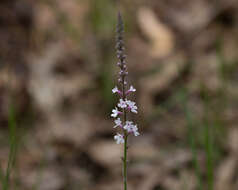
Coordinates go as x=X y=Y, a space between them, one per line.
x=124 y=106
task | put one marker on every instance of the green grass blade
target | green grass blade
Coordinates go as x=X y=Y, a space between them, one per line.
x=13 y=147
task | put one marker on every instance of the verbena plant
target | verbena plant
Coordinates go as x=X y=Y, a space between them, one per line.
x=125 y=105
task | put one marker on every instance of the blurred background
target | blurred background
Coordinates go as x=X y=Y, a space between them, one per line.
x=57 y=69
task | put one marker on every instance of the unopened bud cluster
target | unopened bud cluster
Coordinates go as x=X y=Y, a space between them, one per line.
x=124 y=105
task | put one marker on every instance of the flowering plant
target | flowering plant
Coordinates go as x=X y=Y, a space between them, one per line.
x=124 y=106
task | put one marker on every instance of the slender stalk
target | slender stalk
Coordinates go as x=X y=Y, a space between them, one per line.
x=125 y=106
x=125 y=163
x=125 y=136
x=124 y=122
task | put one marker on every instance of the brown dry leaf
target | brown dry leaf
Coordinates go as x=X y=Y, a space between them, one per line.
x=157 y=166
x=43 y=85
x=187 y=15
x=49 y=90
x=181 y=159
x=47 y=14
x=9 y=80
x=230 y=46
x=225 y=174
x=4 y=158
x=44 y=17
x=232 y=142
x=145 y=151
x=112 y=184
x=151 y=179
x=75 y=11
x=161 y=80
x=107 y=153
x=139 y=55
x=161 y=36
x=48 y=179
x=80 y=178
x=188 y=180
x=185 y=180
x=76 y=129
x=157 y=83
x=172 y=183
x=195 y=16
x=160 y=176
x=206 y=72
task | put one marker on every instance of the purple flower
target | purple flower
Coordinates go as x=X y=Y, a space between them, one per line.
x=131 y=128
x=122 y=104
x=115 y=90
x=131 y=106
x=118 y=123
x=119 y=138
x=131 y=89
x=115 y=112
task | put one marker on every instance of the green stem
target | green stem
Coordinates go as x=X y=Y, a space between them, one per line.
x=125 y=163
x=125 y=136
x=125 y=148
